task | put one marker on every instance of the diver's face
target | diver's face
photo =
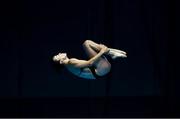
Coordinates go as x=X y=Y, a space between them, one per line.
x=61 y=57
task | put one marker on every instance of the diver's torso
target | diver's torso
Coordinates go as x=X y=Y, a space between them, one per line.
x=81 y=72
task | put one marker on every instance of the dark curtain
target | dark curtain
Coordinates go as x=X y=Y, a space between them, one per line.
x=142 y=85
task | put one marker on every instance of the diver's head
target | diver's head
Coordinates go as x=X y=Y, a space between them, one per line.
x=61 y=58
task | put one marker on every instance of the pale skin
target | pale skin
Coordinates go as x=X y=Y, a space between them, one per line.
x=95 y=54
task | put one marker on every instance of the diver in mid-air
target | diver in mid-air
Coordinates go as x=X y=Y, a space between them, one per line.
x=96 y=66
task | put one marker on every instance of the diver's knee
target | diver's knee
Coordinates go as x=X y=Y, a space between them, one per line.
x=86 y=42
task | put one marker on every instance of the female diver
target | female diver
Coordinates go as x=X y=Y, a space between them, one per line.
x=96 y=67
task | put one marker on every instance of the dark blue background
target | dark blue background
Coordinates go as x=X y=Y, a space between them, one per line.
x=32 y=31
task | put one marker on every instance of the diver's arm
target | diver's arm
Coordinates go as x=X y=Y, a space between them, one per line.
x=79 y=63
x=102 y=51
x=87 y=63
x=96 y=57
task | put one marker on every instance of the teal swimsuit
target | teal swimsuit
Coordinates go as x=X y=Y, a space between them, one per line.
x=92 y=68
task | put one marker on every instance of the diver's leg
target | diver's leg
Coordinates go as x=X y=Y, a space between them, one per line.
x=93 y=45
x=113 y=53
x=102 y=65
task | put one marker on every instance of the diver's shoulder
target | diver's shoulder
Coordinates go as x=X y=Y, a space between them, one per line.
x=73 y=60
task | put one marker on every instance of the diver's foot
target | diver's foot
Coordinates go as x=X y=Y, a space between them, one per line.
x=115 y=53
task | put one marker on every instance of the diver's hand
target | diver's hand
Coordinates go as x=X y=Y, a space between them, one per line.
x=104 y=49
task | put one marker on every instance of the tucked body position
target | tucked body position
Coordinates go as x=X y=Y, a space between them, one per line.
x=96 y=66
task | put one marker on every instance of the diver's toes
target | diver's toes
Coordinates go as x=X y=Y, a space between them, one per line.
x=124 y=55
x=123 y=52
